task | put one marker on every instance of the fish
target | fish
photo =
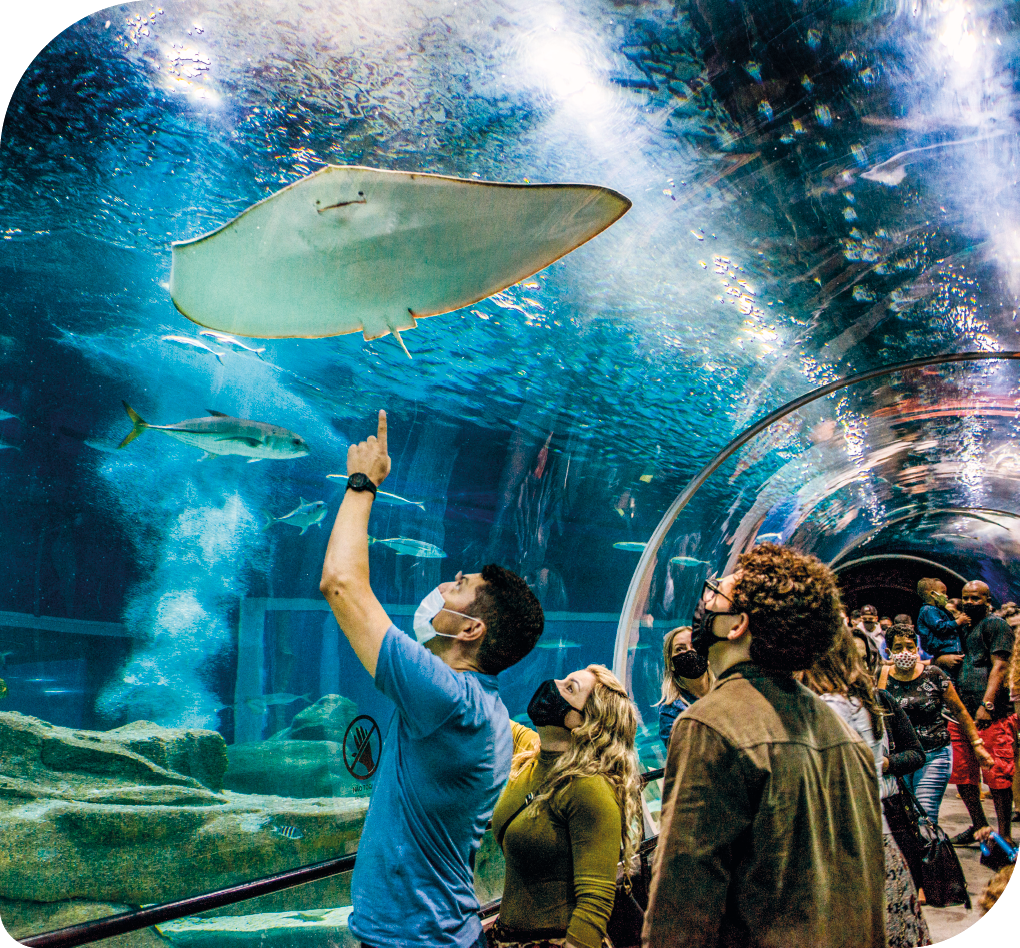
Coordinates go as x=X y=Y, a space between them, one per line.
x=407 y=547
x=190 y=343
x=769 y=538
x=629 y=546
x=381 y=497
x=892 y=171
x=557 y=643
x=350 y=248
x=304 y=515
x=6 y=415
x=262 y=703
x=221 y=434
x=687 y=561
x=227 y=340
x=7 y=444
x=288 y=832
x=3 y=689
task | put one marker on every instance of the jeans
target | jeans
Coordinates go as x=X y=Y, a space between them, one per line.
x=929 y=782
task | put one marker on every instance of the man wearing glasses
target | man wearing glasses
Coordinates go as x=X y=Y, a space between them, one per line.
x=771 y=830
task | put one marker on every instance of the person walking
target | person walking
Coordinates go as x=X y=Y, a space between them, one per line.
x=926 y=694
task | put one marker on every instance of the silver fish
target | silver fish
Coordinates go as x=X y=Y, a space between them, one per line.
x=260 y=704
x=381 y=497
x=629 y=546
x=221 y=434
x=193 y=344
x=557 y=644
x=419 y=548
x=226 y=339
x=5 y=415
x=687 y=561
x=5 y=444
x=304 y=515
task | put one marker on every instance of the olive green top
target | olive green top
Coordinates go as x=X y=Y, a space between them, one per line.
x=561 y=856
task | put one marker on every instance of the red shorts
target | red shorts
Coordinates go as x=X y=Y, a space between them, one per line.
x=1000 y=738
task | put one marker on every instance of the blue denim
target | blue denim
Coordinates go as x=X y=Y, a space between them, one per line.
x=930 y=781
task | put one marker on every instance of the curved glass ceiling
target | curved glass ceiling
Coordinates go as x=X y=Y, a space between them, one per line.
x=819 y=190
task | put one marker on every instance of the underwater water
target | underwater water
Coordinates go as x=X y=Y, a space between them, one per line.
x=818 y=191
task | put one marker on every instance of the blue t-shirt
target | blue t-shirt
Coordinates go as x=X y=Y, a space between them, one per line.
x=445 y=759
x=938 y=632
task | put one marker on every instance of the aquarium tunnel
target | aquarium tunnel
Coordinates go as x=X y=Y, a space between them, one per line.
x=800 y=327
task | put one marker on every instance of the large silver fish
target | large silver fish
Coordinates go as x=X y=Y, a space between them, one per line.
x=408 y=547
x=222 y=434
x=304 y=515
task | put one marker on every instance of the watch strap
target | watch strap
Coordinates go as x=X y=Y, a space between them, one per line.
x=360 y=482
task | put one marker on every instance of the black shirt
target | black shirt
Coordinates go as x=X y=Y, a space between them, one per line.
x=991 y=637
x=923 y=700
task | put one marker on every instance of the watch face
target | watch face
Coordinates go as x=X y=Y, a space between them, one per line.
x=359 y=481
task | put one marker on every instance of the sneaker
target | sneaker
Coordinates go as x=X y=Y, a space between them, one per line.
x=995 y=860
x=966 y=838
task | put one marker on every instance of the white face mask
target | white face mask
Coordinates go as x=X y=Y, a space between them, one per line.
x=430 y=607
x=904 y=660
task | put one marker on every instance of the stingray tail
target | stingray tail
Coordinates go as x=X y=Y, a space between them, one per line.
x=139 y=425
x=396 y=332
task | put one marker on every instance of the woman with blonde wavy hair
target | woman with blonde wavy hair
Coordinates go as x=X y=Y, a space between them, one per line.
x=569 y=811
x=685 y=678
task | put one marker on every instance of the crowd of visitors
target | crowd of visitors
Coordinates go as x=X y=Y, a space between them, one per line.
x=789 y=728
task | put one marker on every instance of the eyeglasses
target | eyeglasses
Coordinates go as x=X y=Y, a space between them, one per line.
x=711 y=589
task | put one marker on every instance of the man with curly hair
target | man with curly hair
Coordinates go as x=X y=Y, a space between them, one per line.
x=771 y=829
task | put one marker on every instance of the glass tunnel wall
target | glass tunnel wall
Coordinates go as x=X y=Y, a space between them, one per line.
x=915 y=468
x=817 y=190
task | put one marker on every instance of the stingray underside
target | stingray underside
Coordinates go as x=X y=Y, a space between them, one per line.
x=350 y=248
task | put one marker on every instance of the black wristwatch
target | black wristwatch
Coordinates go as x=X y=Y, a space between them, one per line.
x=360 y=482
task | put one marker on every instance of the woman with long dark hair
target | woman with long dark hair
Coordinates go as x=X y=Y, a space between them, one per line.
x=840 y=679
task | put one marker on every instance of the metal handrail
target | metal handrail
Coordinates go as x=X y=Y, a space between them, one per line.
x=87 y=932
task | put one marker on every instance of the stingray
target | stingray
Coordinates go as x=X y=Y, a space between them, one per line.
x=351 y=248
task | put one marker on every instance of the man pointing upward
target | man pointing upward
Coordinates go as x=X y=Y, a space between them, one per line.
x=448 y=748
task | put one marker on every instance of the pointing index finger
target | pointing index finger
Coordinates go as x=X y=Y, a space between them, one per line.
x=381 y=434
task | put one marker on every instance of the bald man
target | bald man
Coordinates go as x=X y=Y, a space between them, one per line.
x=982 y=685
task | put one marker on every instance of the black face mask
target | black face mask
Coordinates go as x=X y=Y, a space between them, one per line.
x=975 y=611
x=689 y=664
x=548 y=708
x=702 y=636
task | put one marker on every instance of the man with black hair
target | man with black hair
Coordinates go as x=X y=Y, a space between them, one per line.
x=448 y=750
x=771 y=828
x=984 y=690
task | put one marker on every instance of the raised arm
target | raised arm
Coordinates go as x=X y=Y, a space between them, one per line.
x=345 y=581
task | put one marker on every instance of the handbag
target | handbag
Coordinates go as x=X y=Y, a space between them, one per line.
x=942 y=877
x=628 y=916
